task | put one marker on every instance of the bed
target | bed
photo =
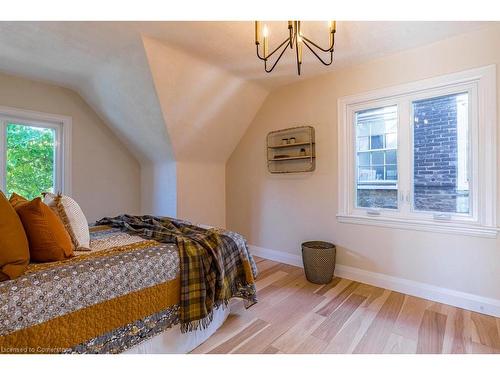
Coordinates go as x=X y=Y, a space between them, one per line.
x=121 y=296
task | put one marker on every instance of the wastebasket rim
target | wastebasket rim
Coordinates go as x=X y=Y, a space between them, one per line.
x=318 y=244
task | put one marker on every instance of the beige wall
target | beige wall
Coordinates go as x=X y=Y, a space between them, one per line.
x=201 y=193
x=106 y=177
x=206 y=111
x=159 y=188
x=280 y=211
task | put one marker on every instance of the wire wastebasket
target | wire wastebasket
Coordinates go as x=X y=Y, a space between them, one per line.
x=319 y=261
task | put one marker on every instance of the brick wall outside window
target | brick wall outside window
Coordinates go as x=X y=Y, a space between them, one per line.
x=435 y=155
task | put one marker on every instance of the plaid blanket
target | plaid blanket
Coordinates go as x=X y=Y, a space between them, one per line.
x=213 y=267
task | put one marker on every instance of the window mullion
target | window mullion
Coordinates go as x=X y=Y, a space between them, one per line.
x=404 y=157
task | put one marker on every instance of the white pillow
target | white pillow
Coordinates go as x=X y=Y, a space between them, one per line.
x=72 y=217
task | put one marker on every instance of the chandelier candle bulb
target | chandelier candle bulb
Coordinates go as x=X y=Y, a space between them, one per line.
x=257 y=32
x=299 y=48
x=290 y=32
x=265 y=33
x=332 y=31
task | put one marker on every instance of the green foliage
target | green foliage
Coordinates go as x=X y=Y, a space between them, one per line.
x=30 y=160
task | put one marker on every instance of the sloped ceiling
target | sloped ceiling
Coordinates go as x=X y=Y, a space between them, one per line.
x=103 y=61
x=168 y=105
x=206 y=109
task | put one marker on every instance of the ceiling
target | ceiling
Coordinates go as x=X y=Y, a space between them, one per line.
x=230 y=45
x=112 y=67
x=105 y=63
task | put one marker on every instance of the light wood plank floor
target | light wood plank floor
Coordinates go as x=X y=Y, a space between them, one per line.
x=295 y=316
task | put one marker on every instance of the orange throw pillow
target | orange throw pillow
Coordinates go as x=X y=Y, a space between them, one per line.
x=16 y=200
x=14 y=252
x=48 y=239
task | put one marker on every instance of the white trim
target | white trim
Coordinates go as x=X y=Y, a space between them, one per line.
x=482 y=221
x=422 y=225
x=277 y=256
x=447 y=296
x=64 y=125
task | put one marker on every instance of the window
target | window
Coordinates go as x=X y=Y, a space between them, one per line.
x=376 y=148
x=440 y=154
x=34 y=152
x=421 y=155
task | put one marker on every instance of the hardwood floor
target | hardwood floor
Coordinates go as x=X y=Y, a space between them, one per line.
x=295 y=316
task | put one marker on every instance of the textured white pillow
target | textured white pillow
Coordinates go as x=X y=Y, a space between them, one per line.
x=72 y=217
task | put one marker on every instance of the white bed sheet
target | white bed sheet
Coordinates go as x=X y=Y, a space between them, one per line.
x=172 y=341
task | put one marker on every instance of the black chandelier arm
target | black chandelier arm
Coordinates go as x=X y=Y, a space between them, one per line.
x=286 y=41
x=319 y=58
x=318 y=47
x=278 y=59
x=258 y=55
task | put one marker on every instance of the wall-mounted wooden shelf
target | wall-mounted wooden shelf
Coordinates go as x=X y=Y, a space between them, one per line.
x=292 y=158
x=291 y=145
x=291 y=150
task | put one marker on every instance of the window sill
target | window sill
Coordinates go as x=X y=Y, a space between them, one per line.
x=428 y=226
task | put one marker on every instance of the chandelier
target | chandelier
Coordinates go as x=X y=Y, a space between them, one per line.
x=295 y=41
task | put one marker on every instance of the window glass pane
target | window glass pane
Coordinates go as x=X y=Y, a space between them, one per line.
x=390 y=157
x=30 y=160
x=376 y=181
x=441 y=154
x=378 y=128
x=366 y=174
x=364 y=158
x=378 y=158
x=364 y=130
x=377 y=142
x=391 y=140
x=363 y=143
x=379 y=173
x=391 y=126
x=391 y=173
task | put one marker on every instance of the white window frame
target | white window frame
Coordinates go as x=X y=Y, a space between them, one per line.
x=480 y=83
x=62 y=126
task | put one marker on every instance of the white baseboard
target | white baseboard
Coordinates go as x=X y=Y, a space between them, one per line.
x=451 y=297
x=277 y=256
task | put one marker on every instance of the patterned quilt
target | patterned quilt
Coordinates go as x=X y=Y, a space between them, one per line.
x=214 y=265
x=125 y=290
